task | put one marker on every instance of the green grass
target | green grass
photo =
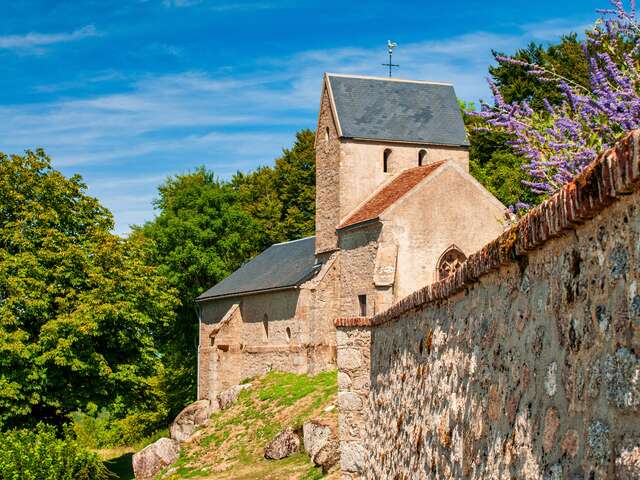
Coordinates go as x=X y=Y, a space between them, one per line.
x=232 y=445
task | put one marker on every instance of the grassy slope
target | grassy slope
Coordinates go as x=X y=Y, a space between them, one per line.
x=232 y=445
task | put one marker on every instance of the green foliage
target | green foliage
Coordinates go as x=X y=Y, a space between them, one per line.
x=567 y=59
x=200 y=236
x=207 y=228
x=494 y=164
x=103 y=430
x=282 y=199
x=78 y=305
x=491 y=160
x=40 y=455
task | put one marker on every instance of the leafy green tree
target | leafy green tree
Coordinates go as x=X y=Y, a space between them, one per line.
x=283 y=198
x=492 y=160
x=207 y=228
x=200 y=236
x=494 y=164
x=78 y=305
x=566 y=58
x=39 y=454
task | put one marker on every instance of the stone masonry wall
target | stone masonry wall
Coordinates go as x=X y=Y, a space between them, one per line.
x=327 y=178
x=522 y=365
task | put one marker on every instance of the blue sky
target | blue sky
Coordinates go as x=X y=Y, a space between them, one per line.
x=128 y=92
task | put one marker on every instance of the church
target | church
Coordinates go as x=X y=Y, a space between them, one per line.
x=396 y=209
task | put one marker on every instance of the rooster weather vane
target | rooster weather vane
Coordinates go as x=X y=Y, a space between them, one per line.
x=390 y=46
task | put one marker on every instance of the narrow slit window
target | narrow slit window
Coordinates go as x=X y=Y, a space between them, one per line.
x=362 y=303
x=385 y=160
x=288 y=334
x=422 y=154
x=326 y=134
x=265 y=324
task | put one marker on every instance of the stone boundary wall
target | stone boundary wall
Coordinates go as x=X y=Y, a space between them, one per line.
x=524 y=363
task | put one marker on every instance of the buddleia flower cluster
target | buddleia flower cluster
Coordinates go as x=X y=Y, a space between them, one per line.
x=561 y=140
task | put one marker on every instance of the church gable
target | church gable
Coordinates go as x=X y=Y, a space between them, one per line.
x=388 y=194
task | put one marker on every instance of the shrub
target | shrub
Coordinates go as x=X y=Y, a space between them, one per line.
x=40 y=455
x=95 y=431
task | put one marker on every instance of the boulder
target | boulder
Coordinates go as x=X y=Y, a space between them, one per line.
x=148 y=462
x=321 y=443
x=284 y=444
x=189 y=418
x=229 y=396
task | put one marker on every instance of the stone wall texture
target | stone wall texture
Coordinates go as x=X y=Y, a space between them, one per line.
x=524 y=364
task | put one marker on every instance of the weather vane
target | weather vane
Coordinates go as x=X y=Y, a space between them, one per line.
x=390 y=45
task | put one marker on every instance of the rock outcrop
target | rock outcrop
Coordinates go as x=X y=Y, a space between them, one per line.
x=228 y=397
x=198 y=413
x=191 y=417
x=284 y=444
x=321 y=443
x=148 y=462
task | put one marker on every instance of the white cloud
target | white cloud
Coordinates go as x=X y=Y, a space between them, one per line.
x=171 y=123
x=34 y=41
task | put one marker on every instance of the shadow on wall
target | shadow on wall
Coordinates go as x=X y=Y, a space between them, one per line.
x=532 y=373
x=529 y=373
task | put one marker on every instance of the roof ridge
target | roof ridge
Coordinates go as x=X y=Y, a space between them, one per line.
x=360 y=209
x=292 y=241
x=388 y=79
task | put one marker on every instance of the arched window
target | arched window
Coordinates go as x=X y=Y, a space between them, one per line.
x=450 y=261
x=385 y=160
x=288 y=334
x=422 y=154
x=326 y=134
x=265 y=324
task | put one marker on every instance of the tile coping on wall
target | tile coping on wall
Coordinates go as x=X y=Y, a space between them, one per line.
x=614 y=173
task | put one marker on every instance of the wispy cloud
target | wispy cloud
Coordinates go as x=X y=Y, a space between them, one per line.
x=228 y=121
x=180 y=3
x=34 y=41
x=231 y=6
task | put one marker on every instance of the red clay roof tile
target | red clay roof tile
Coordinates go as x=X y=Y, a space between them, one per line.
x=389 y=194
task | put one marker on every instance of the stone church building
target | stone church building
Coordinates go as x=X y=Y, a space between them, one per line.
x=396 y=209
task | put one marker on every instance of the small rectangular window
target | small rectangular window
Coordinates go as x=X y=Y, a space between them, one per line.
x=362 y=301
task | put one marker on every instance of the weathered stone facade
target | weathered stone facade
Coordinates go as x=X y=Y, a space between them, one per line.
x=524 y=364
x=290 y=330
x=414 y=201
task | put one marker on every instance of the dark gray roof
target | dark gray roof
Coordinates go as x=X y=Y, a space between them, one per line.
x=281 y=265
x=401 y=110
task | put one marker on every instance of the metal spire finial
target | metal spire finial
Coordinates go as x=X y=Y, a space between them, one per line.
x=390 y=46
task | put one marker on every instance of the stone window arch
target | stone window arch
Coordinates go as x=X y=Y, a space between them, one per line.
x=450 y=261
x=422 y=155
x=385 y=160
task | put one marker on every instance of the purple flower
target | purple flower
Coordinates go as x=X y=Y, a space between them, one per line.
x=562 y=140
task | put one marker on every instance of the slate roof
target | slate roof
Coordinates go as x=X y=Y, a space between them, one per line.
x=397 y=110
x=389 y=194
x=281 y=265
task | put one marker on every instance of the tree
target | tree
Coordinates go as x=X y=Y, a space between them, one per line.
x=282 y=198
x=207 y=228
x=516 y=84
x=200 y=236
x=560 y=140
x=78 y=305
x=493 y=160
x=494 y=163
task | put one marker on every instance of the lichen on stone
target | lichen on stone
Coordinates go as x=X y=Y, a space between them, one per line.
x=619 y=261
x=598 y=441
x=622 y=374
